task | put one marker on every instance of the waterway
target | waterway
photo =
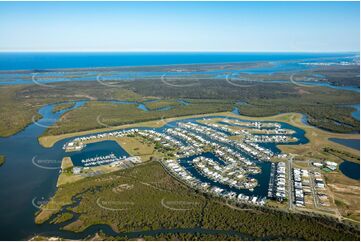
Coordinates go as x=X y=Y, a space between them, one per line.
x=263 y=177
x=356 y=113
x=30 y=173
x=92 y=150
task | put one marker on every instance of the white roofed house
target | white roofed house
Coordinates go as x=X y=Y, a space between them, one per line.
x=317 y=164
x=331 y=165
x=77 y=170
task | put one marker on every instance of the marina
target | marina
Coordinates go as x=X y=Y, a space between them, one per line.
x=192 y=137
x=100 y=153
x=202 y=155
x=180 y=121
x=238 y=169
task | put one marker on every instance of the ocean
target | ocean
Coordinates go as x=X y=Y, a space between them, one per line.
x=47 y=60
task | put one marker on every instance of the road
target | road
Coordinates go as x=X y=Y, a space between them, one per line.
x=290 y=193
x=312 y=185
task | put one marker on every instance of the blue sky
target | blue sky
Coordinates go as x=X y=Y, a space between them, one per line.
x=180 y=26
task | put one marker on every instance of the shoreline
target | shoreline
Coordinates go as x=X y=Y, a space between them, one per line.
x=326 y=55
x=115 y=68
x=50 y=140
x=244 y=63
x=294 y=119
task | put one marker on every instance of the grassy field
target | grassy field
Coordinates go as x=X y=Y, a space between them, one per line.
x=62 y=218
x=63 y=106
x=342 y=154
x=20 y=103
x=66 y=176
x=162 y=104
x=95 y=115
x=346 y=193
x=323 y=109
x=155 y=200
x=136 y=146
x=66 y=163
x=323 y=105
x=319 y=140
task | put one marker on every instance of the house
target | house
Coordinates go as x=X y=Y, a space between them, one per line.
x=76 y=170
x=331 y=165
x=317 y=164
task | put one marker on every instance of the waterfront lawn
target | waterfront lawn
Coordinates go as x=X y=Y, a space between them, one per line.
x=62 y=218
x=136 y=146
x=66 y=163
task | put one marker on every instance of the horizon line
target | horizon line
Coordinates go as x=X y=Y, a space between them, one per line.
x=176 y=51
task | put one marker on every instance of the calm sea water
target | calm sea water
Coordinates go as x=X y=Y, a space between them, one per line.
x=36 y=61
x=92 y=150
